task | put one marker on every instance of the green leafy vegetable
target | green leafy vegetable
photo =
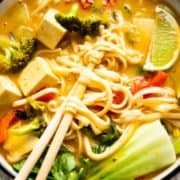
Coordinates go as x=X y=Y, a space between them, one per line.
x=73 y=176
x=109 y=136
x=149 y=149
x=84 y=165
x=97 y=148
x=65 y=167
x=88 y=132
x=19 y=165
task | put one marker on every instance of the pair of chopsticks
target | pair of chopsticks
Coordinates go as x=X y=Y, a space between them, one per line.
x=58 y=128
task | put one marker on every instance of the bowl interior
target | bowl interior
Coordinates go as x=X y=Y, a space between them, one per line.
x=4 y=5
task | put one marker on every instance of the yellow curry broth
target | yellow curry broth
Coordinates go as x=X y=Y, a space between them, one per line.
x=142 y=15
x=141 y=18
x=139 y=9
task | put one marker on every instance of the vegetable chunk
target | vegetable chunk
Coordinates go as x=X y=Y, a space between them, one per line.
x=16 y=54
x=72 y=23
x=16 y=147
x=5 y=123
x=148 y=150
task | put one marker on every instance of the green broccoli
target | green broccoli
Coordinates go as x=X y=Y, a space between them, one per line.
x=32 y=109
x=33 y=119
x=35 y=108
x=15 y=55
x=34 y=125
x=73 y=24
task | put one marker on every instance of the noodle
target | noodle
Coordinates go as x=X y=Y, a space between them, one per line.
x=35 y=96
x=77 y=106
x=80 y=142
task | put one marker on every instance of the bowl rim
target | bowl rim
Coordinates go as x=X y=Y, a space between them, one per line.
x=5 y=5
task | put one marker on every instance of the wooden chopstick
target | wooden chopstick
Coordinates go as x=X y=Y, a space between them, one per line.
x=54 y=147
x=41 y=145
x=43 y=141
x=60 y=134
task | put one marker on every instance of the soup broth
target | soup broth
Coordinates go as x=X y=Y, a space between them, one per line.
x=101 y=62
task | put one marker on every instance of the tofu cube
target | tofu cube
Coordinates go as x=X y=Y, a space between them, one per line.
x=9 y=92
x=50 y=32
x=36 y=75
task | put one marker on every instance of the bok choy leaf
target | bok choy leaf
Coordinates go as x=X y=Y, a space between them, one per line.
x=150 y=149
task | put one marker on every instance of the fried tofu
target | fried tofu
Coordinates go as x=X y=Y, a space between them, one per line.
x=50 y=32
x=36 y=76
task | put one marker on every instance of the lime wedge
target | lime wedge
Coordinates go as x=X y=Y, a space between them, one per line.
x=165 y=44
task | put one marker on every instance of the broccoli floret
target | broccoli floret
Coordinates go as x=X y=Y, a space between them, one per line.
x=15 y=55
x=34 y=125
x=32 y=109
x=35 y=108
x=32 y=115
x=74 y=24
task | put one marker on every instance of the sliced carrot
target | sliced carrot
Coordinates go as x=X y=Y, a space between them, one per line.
x=5 y=122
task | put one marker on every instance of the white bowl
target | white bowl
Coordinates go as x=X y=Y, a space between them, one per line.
x=7 y=4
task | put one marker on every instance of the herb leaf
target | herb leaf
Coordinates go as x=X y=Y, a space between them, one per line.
x=110 y=136
x=98 y=148
x=66 y=167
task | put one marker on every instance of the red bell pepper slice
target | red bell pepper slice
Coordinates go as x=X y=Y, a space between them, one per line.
x=118 y=97
x=158 y=79
x=47 y=97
